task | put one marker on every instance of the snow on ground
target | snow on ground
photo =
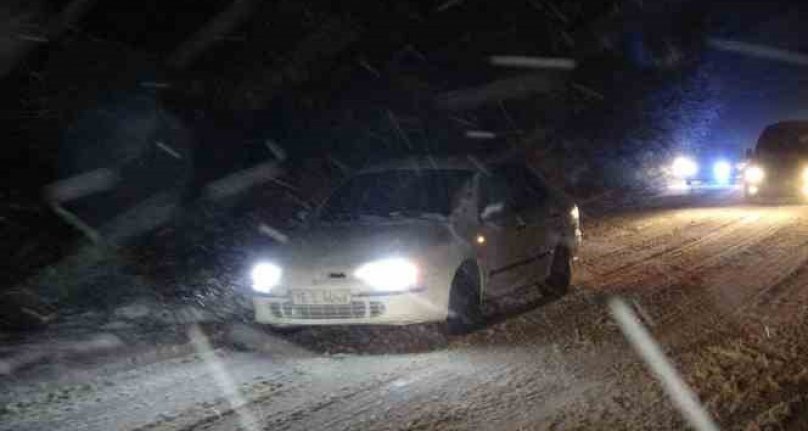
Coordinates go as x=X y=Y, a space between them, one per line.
x=722 y=286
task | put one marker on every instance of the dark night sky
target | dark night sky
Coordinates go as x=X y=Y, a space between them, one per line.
x=334 y=93
x=755 y=91
x=752 y=91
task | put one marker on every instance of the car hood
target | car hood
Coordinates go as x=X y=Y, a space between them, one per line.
x=334 y=251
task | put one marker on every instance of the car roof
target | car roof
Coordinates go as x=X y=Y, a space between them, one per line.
x=789 y=124
x=428 y=163
x=785 y=135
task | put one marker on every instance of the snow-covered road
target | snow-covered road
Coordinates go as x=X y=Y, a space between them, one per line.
x=723 y=287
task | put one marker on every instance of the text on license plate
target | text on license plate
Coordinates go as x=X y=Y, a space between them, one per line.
x=313 y=297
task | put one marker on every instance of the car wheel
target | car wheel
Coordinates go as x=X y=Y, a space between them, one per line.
x=465 y=310
x=560 y=277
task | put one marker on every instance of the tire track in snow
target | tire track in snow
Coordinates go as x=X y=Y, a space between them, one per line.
x=684 y=286
x=788 y=259
x=457 y=393
x=708 y=283
x=306 y=396
x=655 y=247
x=677 y=261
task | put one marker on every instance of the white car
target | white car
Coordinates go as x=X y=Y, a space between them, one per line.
x=420 y=241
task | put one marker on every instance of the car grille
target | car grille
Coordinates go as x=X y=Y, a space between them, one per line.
x=354 y=310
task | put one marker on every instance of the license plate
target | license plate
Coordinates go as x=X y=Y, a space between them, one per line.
x=318 y=297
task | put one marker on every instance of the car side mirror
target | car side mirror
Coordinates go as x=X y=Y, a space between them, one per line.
x=492 y=211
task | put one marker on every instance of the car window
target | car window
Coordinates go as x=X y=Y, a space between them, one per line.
x=524 y=188
x=785 y=138
x=493 y=189
x=396 y=192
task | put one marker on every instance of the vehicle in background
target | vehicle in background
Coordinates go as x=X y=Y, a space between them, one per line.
x=420 y=240
x=712 y=172
x=778 y=167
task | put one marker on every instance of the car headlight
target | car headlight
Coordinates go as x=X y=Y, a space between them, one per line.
x=684 y=167
x=265 y=276
x=754 y=175
x=392 y=275
x=575 y=213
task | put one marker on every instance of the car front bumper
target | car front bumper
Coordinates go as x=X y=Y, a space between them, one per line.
x=779 y=189
x=378 y=309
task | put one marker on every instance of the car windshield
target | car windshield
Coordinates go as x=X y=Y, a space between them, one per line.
x=396 y=193
x=784 y=139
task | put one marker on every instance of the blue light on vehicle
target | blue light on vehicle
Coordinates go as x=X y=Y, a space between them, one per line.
x=722 y=172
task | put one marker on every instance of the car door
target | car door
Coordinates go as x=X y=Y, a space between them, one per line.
x=499 y=238
x=537 y=216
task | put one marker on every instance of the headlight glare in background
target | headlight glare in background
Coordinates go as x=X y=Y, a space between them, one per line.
x=575 y=213
x=684 y=168
x=754 y=174
x=722 y=172
x=390 y=275
x=265 y=276
x=805 y=175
